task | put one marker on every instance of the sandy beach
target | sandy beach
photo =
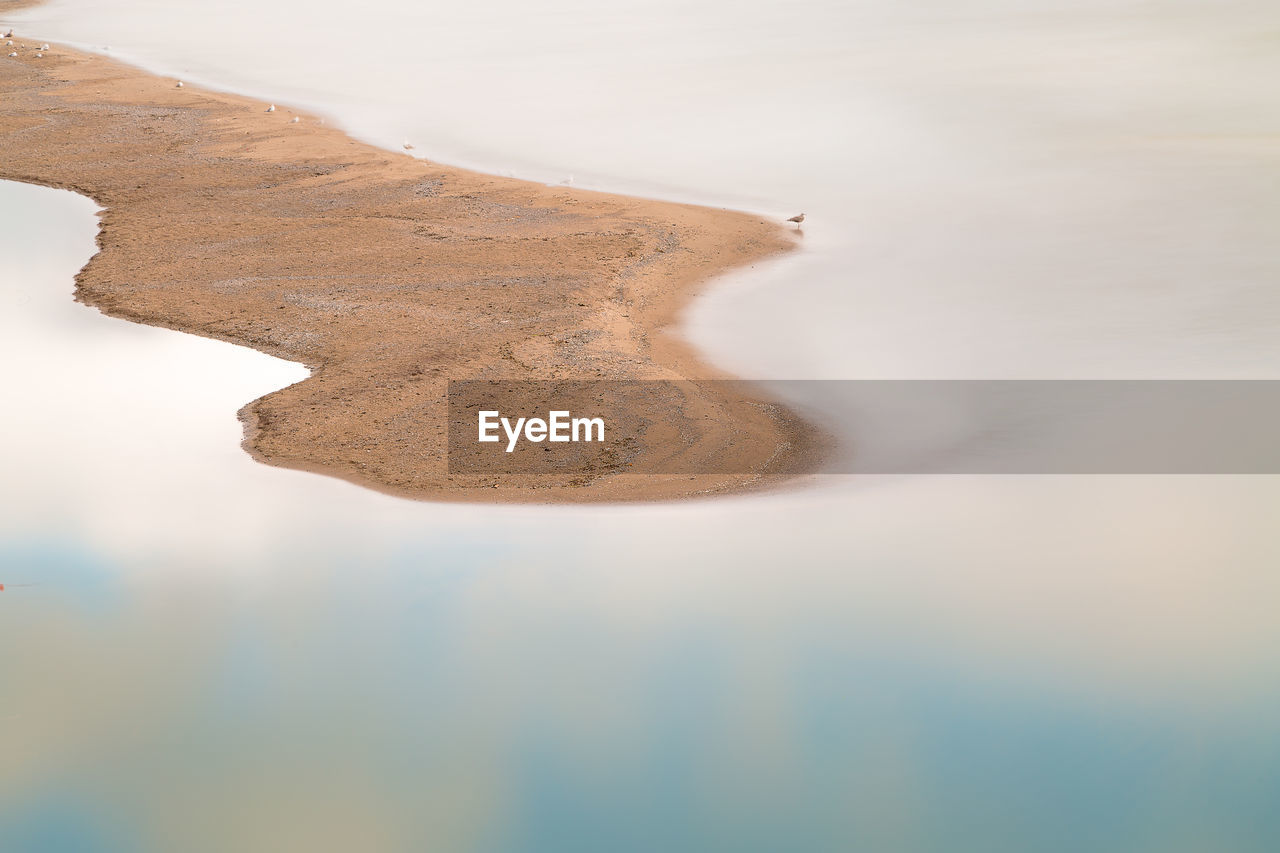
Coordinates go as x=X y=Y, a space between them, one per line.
x=388 y=276
x=947 y=642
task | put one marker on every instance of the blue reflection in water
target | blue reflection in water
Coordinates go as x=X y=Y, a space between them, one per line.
x=60 y=823
x=915 y=761
x=569 y=735
x=61 y=568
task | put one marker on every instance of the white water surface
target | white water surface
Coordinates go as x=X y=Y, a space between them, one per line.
x=204 y=653
x=1049 y=189
x=219 y=655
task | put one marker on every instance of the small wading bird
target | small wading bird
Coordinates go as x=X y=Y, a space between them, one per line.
x=797 y=219
x=179 y=84
x=296 y=120
x=271 y=108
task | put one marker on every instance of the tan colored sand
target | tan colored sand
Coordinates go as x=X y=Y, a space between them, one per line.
x=385 y=274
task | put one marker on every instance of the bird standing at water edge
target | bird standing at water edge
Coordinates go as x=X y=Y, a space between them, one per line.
x=797 y=219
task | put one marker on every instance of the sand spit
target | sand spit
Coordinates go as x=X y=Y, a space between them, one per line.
x=388 y=276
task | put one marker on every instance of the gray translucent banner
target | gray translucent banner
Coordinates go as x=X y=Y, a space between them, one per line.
x=875 y=426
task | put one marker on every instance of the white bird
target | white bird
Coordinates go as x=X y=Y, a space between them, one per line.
x=271 y=108
x=38 y=55
x=13 y=54
x=9 y=43
x=9 y=34
x=295 y=120
x=797 y=219
x=179 y=84
x=408 y=146
x=44 y=47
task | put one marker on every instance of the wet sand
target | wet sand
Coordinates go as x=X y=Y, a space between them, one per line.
x=389 y=276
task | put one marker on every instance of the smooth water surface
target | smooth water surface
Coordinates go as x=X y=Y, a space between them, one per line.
x=216 y=655
x=1055 y=188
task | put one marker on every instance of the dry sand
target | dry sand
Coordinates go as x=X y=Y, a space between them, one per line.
x=388 y=276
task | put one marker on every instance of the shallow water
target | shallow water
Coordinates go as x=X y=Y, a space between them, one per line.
x=994 y=189
x=217 y=655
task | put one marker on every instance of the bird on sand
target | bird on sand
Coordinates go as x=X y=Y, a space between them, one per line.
x=179 y=84
x=797 y=219
x=9 y=34
x=295 y=120
x=271 y=108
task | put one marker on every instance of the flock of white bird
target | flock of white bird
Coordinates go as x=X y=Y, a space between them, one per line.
x=13 y=54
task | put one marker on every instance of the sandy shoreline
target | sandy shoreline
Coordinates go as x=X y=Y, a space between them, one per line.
x=388 y=276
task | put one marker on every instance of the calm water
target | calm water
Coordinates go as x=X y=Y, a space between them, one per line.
x=1052 y=188
x=215 y=655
